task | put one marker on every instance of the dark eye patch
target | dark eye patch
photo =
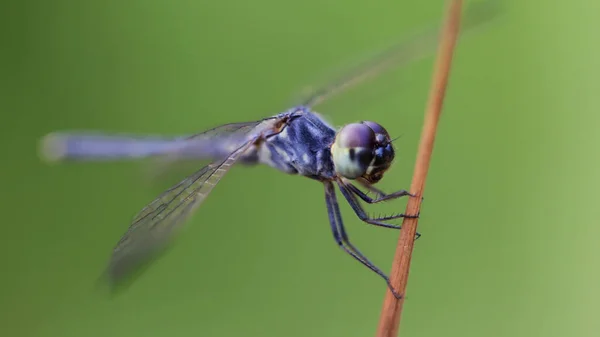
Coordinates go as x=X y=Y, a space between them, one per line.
x=364 y=157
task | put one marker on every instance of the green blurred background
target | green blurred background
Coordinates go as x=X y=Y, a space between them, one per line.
x=509 y=223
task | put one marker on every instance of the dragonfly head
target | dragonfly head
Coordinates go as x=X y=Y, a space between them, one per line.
x=362 y=150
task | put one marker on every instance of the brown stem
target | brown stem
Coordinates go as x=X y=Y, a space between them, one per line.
x=389 y=321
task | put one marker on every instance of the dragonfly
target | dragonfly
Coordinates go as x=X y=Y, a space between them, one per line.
x=298 y=141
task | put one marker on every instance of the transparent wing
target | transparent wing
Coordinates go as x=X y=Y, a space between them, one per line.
x=228 y=129
x=155 y=225
x=212 y=144
x=414 y=48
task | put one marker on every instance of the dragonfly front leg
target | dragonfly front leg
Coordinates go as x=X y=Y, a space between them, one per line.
x=348 y=190
x=381 y=195
x=341 y=237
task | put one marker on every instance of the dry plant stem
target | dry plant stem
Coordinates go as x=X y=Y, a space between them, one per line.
x=389 y=322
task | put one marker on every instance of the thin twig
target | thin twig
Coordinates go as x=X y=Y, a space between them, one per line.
x=389 y=322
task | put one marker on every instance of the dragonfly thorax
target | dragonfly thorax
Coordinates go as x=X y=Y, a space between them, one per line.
x=362 y=150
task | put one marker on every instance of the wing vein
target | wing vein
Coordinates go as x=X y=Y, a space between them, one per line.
x=156 y=224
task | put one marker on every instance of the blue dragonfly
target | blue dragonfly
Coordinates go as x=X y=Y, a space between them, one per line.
x=298 y=141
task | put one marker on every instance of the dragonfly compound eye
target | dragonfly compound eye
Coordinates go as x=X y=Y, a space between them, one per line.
x=383 y=153
x=353 y=150
x=381 y=134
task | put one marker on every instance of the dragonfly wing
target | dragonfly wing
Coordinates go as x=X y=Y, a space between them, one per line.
x=155 y=225
x=414 y=48
x=217 y=142
x=214 y=144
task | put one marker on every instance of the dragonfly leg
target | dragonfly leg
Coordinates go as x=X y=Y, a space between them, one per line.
x=381 y=196
x=347 y=192
x=341 y=237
